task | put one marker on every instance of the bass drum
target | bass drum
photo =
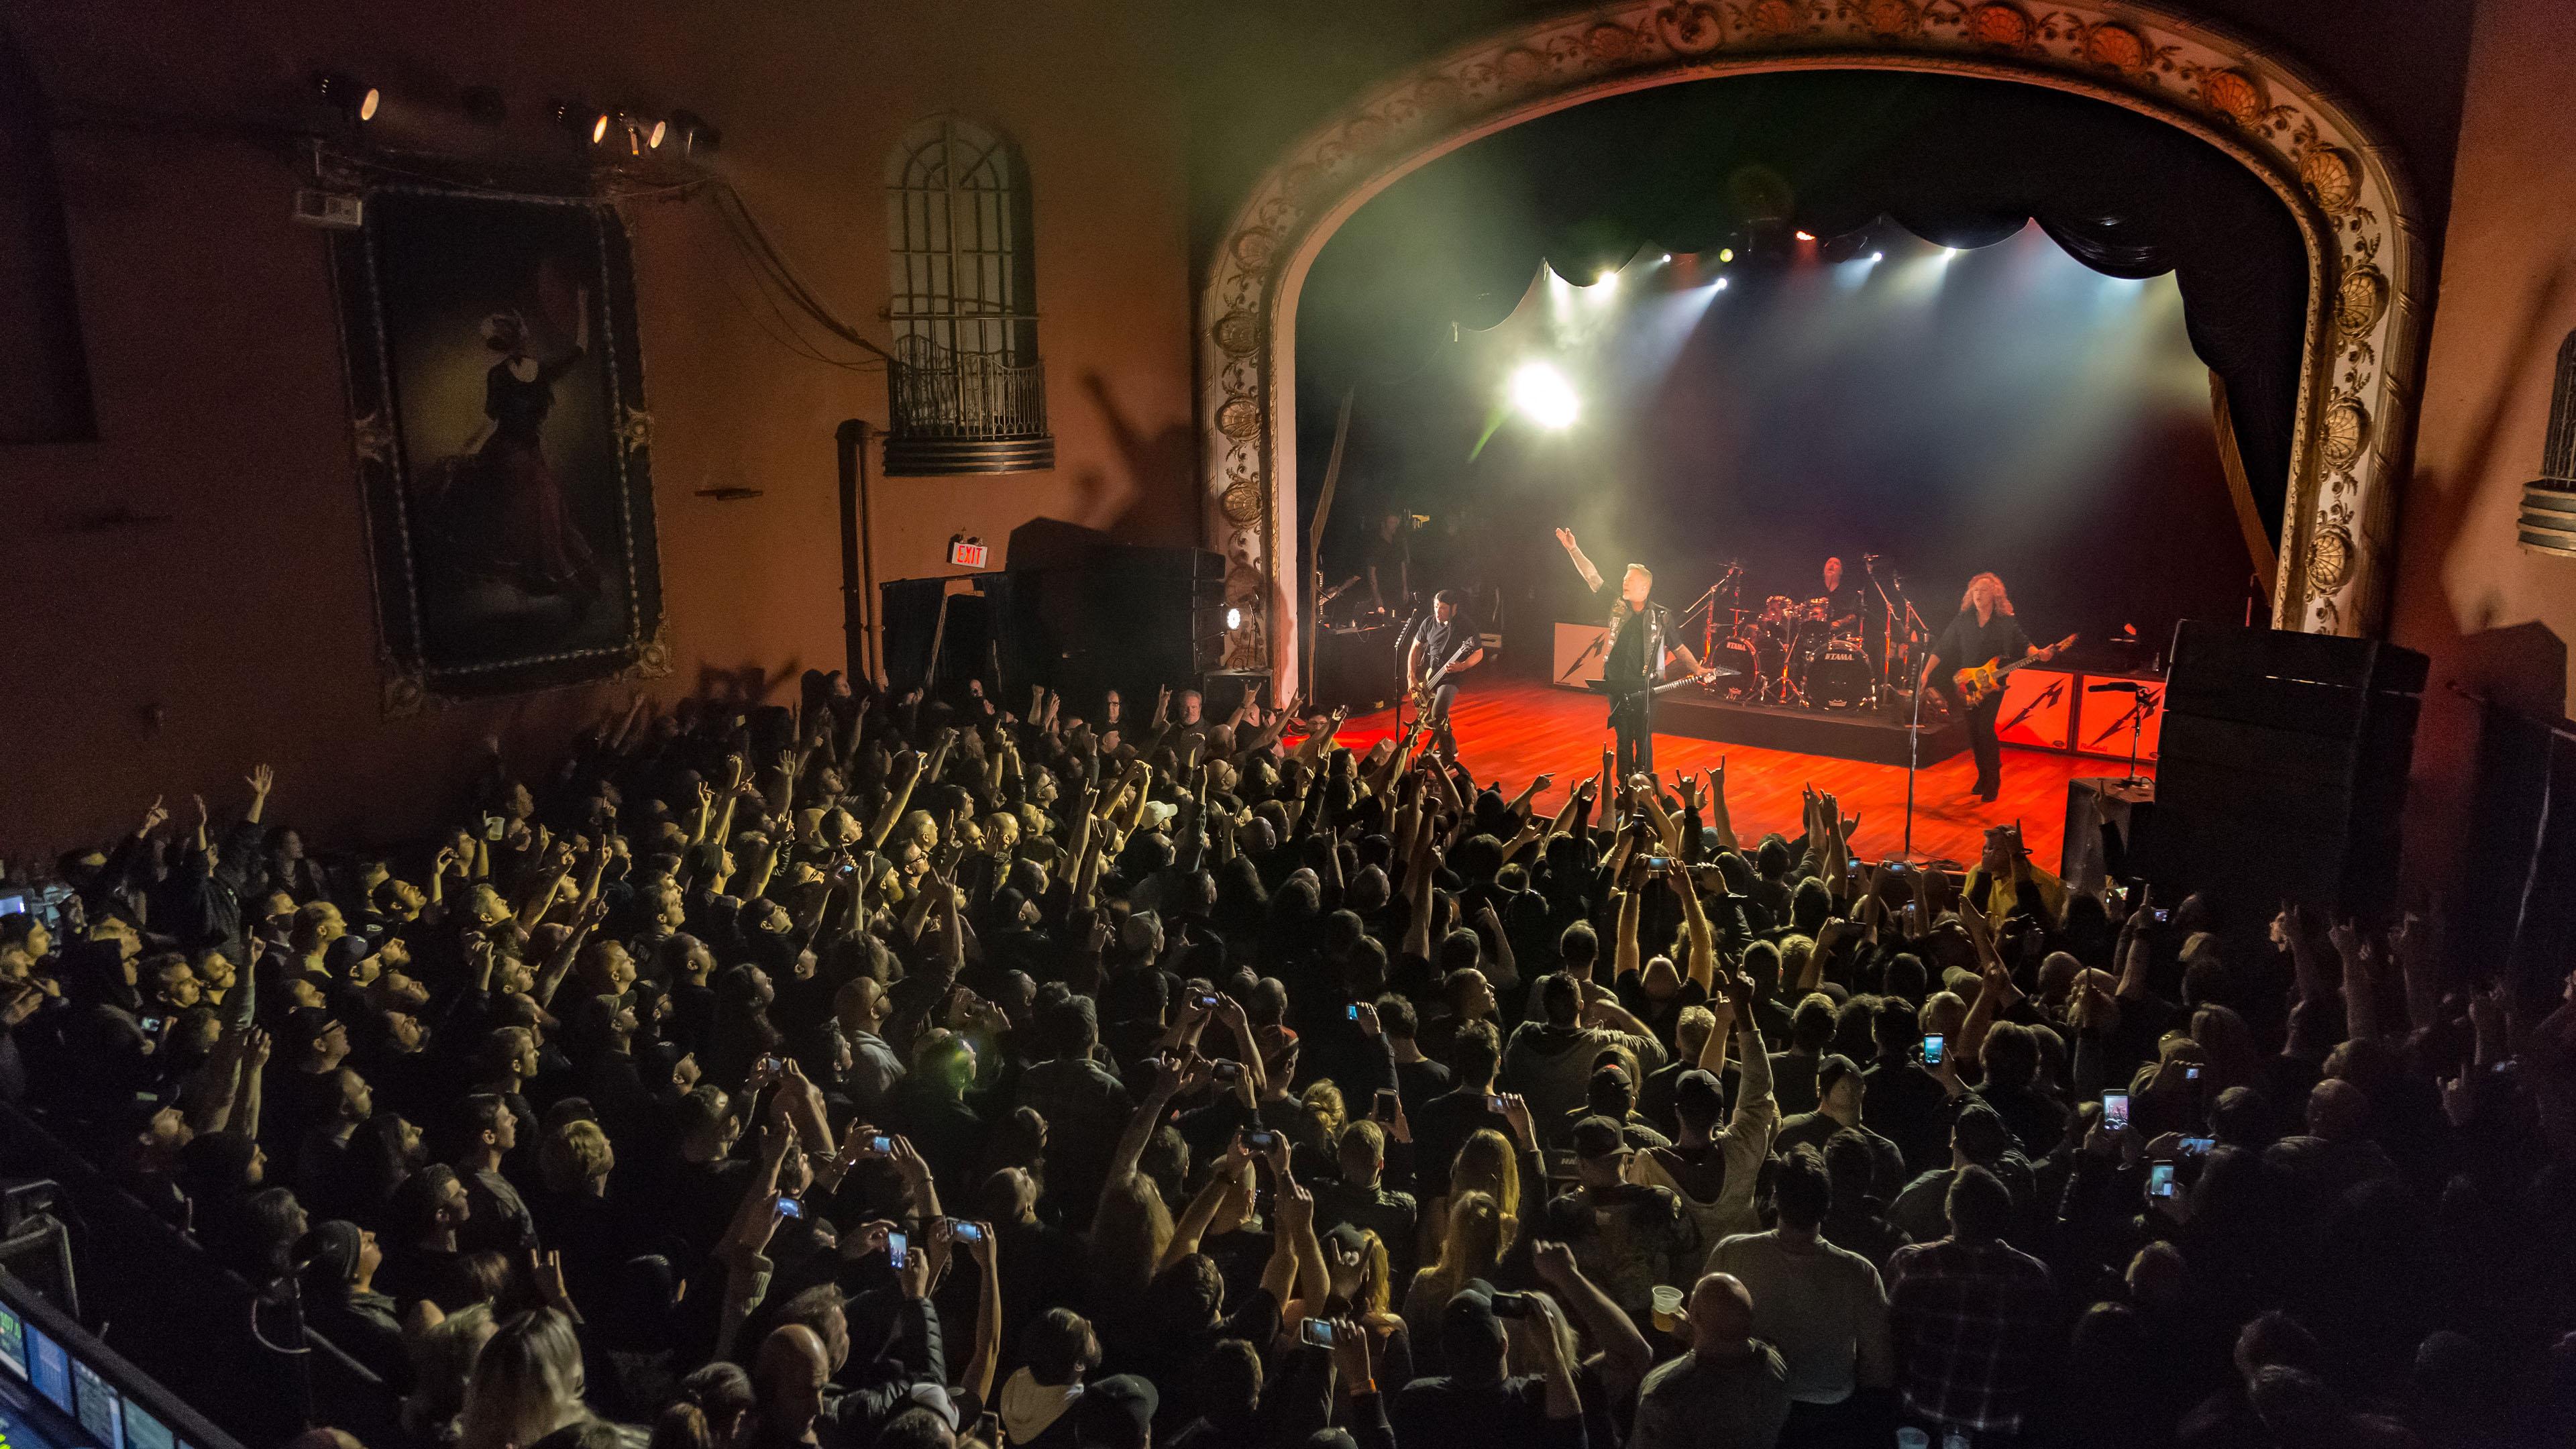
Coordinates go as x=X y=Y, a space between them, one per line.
x=1838 y=677
x=1736 y=652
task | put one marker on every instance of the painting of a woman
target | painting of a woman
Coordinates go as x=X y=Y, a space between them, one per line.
x=531 y=537
x=497 y=387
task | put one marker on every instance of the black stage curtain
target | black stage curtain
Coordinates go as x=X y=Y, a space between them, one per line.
x=1745 y=160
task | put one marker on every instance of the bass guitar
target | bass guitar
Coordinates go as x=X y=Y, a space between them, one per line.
x=1978 y=684
x=1429 y=689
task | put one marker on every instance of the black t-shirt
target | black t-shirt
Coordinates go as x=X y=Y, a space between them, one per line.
x=1965 y=644
x=1438 y=641
x=1845 y=605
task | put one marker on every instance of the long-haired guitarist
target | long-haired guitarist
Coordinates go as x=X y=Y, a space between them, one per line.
x=1444 y=649
x=1984 y=634
x=1639 y=650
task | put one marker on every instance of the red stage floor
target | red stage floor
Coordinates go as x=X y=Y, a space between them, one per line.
x=1516 y=728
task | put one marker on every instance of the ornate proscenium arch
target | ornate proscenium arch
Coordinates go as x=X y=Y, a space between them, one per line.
x=2346 y=189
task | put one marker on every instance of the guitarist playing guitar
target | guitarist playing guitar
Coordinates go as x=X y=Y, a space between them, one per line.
x=1633 y=672
x=1967 y=665
x=1443 y=650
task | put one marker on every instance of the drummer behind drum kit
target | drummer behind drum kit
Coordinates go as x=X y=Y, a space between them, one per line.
x=1791 y=653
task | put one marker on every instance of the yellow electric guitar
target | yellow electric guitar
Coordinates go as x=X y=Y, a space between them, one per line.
x=1979 y=684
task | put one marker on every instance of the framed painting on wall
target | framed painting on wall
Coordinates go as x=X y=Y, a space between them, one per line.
x=496 y=398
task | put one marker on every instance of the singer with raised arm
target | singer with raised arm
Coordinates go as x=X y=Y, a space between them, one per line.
x=1967 y=665
x=1640 y=648
x=1445 y=649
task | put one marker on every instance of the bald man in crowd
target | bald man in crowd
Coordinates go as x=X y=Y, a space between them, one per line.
x=1731 y=1391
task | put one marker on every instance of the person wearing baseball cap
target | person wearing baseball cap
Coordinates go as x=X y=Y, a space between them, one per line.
x=1479 y=1403
x=1641 y=1236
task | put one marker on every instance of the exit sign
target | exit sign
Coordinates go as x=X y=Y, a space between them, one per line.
x=966 y=555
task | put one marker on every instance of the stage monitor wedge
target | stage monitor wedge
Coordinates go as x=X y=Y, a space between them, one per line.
x=2283 y=770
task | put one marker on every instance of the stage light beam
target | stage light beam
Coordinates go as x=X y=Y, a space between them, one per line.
x=1542 y=395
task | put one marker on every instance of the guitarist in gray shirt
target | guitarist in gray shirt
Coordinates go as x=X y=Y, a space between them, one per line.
x=1442 y=651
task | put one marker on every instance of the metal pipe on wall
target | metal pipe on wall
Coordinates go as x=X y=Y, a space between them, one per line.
x=859 y=613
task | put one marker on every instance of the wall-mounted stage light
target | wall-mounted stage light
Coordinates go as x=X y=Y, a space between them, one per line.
x=1726 y=254
x=643 y=133
x=1806 y=236
x=580 y=119
x=351 y=98
x=696 y=133
x=1542 y=395
x=1233 y=618
x=1721 y=284
x=1878 y=256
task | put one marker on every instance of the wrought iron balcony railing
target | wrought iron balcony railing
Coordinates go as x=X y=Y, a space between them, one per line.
x=967 y=413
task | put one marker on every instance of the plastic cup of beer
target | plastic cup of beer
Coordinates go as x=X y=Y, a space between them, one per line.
x=1668 y=1306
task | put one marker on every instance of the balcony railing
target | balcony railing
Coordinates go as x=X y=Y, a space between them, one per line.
x=967 y=413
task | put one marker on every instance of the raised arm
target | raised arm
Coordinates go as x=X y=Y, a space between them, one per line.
x=1625 y=1355
x=1582 y=565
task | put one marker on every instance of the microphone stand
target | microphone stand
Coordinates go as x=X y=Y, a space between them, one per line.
x=1913 y=762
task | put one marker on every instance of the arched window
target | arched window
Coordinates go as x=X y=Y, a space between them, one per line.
x=969 y=394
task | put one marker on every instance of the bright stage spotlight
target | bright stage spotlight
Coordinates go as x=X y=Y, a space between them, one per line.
x=1806 y=236
x=1721 y=284
x=1233 y=618
x=1878 y=256
x=1543 y=395
x=1726 y=254
x=351 y=98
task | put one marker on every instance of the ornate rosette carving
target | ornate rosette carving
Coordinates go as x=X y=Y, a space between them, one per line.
x=2331 y=178
x=2116 y=47
x=2002 y=24
x=2345 y=434
x=1240 y=419
x=1610 y=44
x=2359 y=299
x=1238 y=332
x=1243 y=503
x=1888 y=18
x=1775 y=19
x=1253 y=249
x=2366 y=299
x=2330 y=559
x=2233 y=94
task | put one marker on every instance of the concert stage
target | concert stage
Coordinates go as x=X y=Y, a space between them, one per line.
x=1510 y=729
x=1853 y=734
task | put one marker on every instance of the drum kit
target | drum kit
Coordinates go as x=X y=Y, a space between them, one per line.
x=1790 y=652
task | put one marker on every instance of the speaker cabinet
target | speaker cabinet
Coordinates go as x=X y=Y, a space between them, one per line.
x=2282 y=771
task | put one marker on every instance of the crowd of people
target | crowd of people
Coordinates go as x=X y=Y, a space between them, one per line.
x=896 y=1072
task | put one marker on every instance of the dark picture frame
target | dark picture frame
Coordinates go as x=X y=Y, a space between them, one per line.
x=502 y=444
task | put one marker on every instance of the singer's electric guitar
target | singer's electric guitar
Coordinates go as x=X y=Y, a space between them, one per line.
x=1978 y=684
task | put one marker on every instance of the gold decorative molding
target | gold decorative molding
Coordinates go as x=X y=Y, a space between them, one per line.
x=2344 y=186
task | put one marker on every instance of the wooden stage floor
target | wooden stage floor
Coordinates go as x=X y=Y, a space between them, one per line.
x=1512 y=729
